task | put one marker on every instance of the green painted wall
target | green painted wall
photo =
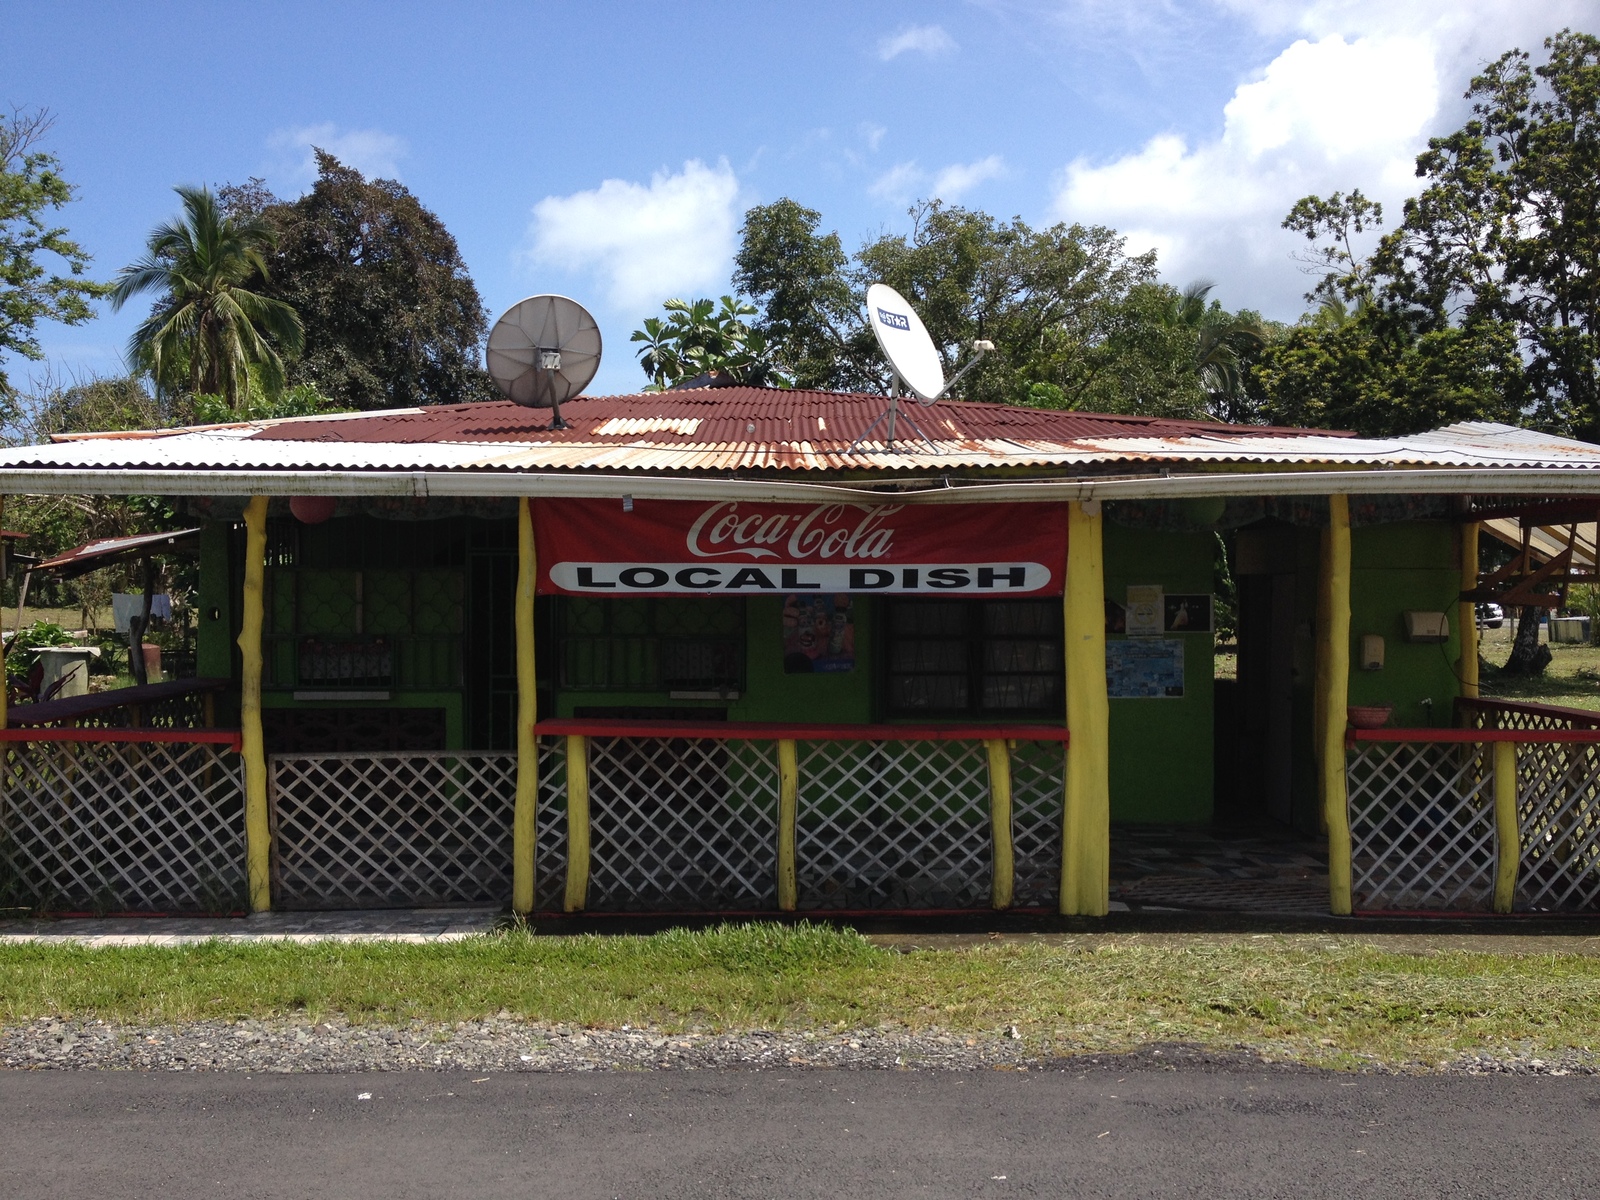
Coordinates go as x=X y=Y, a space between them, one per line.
x=213 y=640
x=842 y=697
x=838 y=697
x=1161 y=750
x=1412 y=565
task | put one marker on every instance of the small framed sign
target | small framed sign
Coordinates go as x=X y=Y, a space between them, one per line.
x=1186 y=614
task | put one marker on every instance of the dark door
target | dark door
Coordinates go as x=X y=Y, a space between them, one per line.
x=1264 y=704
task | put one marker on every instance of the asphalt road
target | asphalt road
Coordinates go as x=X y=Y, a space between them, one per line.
x=1120 y=1132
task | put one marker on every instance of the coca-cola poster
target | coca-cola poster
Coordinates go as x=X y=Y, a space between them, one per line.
x=693 y=547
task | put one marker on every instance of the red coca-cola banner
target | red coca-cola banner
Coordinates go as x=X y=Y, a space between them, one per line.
x=693 y=547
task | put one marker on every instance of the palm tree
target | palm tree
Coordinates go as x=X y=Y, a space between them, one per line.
x=1223 y=344
x=207 y=329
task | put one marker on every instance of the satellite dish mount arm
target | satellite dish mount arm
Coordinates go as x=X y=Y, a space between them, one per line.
x=979 y=348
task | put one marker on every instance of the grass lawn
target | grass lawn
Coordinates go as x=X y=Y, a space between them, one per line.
x=1312 y=998
x=1572 y=680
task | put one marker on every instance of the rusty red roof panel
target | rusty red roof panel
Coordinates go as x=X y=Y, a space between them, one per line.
x=827 y=422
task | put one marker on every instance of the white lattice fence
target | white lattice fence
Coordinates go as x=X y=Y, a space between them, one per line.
x=550 y=838
x=1558 y=793
x=122 y=826
x=1558 y=819
x=893 y=824
x=682 y=823
x=358 y=830
x=1421 y=826
x=1037 y=796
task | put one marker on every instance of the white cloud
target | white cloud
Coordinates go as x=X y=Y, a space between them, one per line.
x=872 y=135
x=907 y=181
x=960 y=178
x=931 y=40
x=1350 y=99
x=648 y=243
x=899 y=184
x=374 y=153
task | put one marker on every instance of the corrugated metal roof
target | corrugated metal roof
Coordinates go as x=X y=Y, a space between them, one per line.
x=738 y=416
x=103 y=552
x=758 y=429
x=1546 y=541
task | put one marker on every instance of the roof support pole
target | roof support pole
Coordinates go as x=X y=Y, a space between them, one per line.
x=1467 y=612
x=257 y=833
x=1508 y=833
x=1333 y=697
x=1086 y=815
x=577 y=894
x=788 y=808
x=1003 y=864
x=524 y=820
x=5 y=682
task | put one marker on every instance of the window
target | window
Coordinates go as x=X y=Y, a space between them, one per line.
x=652 y=644
x=361 y=628
x=974 y=657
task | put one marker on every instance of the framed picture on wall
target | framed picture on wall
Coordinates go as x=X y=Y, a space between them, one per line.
x=819 y=634
x=1187 y=614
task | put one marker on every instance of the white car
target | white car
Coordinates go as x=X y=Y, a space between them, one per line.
x=1491 y=616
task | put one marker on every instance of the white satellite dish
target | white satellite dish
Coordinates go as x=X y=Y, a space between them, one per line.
x=913 y=357
x=544 y=351
x=905 y=342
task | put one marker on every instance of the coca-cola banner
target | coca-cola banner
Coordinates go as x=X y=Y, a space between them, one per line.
x=693 y=547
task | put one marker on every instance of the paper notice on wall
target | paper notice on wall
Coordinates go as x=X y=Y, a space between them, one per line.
x=1146 y=669
x=1146 y=615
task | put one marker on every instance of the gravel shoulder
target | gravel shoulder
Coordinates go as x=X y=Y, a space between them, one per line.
x=504 y=1043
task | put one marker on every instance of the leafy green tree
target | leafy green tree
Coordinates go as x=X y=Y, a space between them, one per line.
x=1484 y=302
x=806 y=304
x=699 y=337
x=30 y=187
x=391 y=314
x=1506 y=236
x=208 y=329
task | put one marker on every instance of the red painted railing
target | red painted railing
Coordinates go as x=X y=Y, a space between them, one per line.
x=765 y=731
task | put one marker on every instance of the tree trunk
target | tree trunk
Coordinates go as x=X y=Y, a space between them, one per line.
x=1528 y=657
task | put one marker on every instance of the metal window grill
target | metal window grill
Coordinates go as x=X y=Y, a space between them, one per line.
x=1558 y=818
x=122 y=826
x=1421 y=825
x=682 y=823
x=1038 y=794
x=550 y=825
x=355 y=830
x=893 y=824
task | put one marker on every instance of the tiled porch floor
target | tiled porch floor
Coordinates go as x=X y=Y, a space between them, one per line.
x=1197 y=867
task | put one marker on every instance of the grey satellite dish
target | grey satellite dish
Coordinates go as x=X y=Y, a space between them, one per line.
x=544 y=351
x=912 y=356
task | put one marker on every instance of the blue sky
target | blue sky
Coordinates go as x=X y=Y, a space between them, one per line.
x=608 y=150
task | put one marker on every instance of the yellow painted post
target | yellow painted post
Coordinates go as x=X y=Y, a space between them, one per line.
x=1002 y=878
x=788 y=807
x=1086 y=816
x=257 y=832
x=525 y=815
x=1467 y=612
x=1333 y=711
x=1508 y=837
x=5 y=716
x=577 y=822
